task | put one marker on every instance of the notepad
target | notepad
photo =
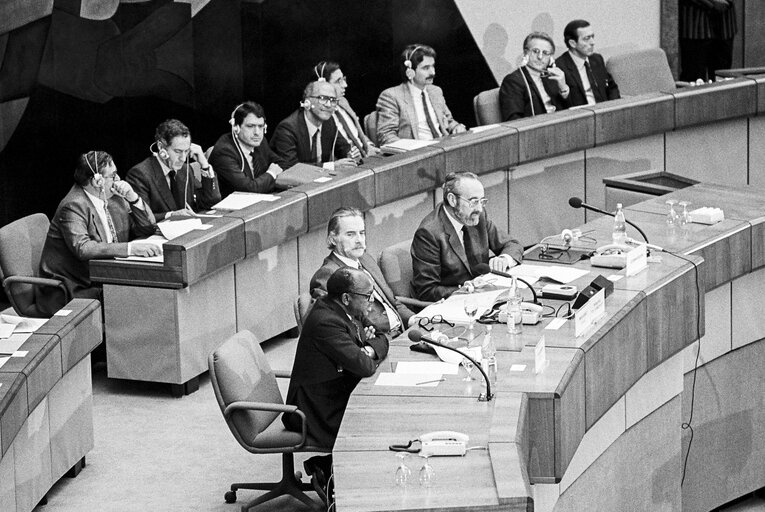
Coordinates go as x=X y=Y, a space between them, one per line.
x=420 y=380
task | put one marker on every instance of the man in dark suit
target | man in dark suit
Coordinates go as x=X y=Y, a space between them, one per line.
x=242 y=158
x=585 y=71
x=333 y=354
x=96 y=219
x=454 y=238
x=309 y=135
x=537 y=87
x=346 y=239
x=166 y=179
x=415 y=109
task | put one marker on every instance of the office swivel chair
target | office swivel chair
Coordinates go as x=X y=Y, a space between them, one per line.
x=486 y=107
x=301 y=307
x=396 y=265
x=370 y=127
x=642 y=71
x=249 y=398
x=21 y=244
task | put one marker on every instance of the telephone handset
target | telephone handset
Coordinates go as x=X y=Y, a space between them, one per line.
x=443 y=443
x=610 y=256
x=545 y=73
x=612 y=249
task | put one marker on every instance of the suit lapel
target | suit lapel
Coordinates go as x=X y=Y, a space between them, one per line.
x=160 y=184
x=435 y=101
x=94 y=219
x=454 y=239
x=407 y=97
x=570 y=65
x=304 y=139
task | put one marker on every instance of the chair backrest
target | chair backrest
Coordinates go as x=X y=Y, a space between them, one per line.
x=21 y=245
x=301 y=307
x=239 y=372
x=486 y=107
x=396 y=265
x=641 y=71
x=370 y=126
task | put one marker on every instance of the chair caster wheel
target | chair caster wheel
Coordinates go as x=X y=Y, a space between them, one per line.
x=298 y=476
x=230 y=497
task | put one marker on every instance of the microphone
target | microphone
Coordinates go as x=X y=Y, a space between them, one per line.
x=417 y=336
x=484 y=268
x=576 y=202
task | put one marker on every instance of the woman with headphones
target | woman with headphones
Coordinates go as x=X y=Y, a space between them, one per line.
x=346 y=119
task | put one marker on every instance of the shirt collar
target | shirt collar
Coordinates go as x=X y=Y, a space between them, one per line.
x=457 y=224
x=577 y=59
x=416 y=91
x=312 y=128
x=165 y=169
x=97 y=201
x=348 y=261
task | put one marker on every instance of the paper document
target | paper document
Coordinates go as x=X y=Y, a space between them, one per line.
x=559 y=273
x=239 y=200
x=453 y=308
x=427 y=367
x=403 y=145
x=174 y=228
x=6 y=330
x=23 y=324
x=420 y=380
x=153 y=239
x=483 y=128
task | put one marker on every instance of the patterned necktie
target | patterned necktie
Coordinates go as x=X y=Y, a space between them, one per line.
x=433 y=128
x=110 y=222
x=347 y=129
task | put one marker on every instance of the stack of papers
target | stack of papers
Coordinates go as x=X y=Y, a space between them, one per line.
x=404 y=145
x=426 y=374
x=559 y=273
x=155 y=239
x=174 y=228
x=22 y=324
x=453 y=308
x=239 y=200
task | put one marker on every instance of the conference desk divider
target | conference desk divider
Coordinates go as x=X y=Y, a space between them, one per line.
x=46 y=409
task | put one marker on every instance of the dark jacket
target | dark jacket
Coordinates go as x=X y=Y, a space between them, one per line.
x=514 y=100
x=604 y=87
x=291 y=142
x=234 y=172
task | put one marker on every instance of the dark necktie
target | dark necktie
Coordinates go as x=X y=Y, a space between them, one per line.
x=433 y=128
x=249 y=170
x=315 y=141
x=174 y=189
x=473 y=260
x=110 y=222
x=593 y=82
x=351 y=137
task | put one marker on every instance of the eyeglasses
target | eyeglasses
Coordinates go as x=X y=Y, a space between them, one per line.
x=475 y=201
x=329 y=101
x=369 y=295
x=537 y=52
x=436 y=319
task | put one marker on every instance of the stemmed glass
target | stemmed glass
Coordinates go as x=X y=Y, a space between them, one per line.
x=672 y=217
x=403 y=473
x=427 y=474
x=471 y=309
x=685 y=216
x=468 y=364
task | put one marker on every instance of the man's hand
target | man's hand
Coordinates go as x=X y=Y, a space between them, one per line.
x=558 y=75
x=502 y=263
x=274 y=170
x=369 y=332
x=460 y=128
x=354 y=154
x=369 y=351
x=196 y=153
x=183 y=212
x=345 y=162
x=145 y=249
x=373 y=150
x=124 y=190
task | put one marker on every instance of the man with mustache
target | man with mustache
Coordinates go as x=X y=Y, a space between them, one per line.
x=346 y=239
x=415 y=109
x=456 y=237
x=242 y=158
x=309 y=135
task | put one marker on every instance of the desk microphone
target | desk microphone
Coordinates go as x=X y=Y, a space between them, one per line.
x=576 y=202
x=417 y=336
x=484 y=268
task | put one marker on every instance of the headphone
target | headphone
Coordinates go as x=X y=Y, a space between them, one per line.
x=98 y=178
x=305 y=103
x=567 y=236
x=232 y=122
x=409 y=73
x=162 y=153
x=320 y=75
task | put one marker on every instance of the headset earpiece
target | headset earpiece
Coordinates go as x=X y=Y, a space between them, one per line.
x=162 y=152
x=409 y=72
x=525 y=60
x=98 y=178
x=305 y=104
x=232 y=119
x=567 y=236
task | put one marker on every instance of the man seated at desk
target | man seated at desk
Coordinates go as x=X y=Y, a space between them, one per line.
x=415 y=109
x=309 y=135
x=242 y=158
x=166 y=179
x=346 y=239
x=96 y=219
x=457 y=236
x=333 y=354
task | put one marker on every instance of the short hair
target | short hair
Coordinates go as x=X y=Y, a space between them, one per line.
x=324 y=69
x=572 y=30
x=246 y=108
x=538 y=35
x=453 y=180
x=415 y=53
x=90 y=163
x=170 y=129
x=334 y=221
x=343 y=280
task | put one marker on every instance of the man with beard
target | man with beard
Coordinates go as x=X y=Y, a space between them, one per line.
x=457 y=236
x=346 y=238
x=242 y=158
x=415 y=109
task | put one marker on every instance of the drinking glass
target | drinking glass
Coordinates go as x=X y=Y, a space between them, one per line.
x=468 y=364
x=672 y=217
x=403 y=473
x=471 y=309
x=685 y=216
x=427 y=474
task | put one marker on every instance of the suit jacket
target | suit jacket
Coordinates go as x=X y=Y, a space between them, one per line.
x=439 y=262
x=329 y=362
x=234 y=172
x=376 y=316
x=343 y=104
x=291 y=142
x=397 y=118
x=76 y=236
x=514 y=101
x=148 y=181
x=604 y=87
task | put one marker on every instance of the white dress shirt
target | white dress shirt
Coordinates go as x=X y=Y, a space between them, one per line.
x=423 y=128
x=583 y=75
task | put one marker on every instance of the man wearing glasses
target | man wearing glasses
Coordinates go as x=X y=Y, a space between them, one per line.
x=455 y=238
x=309 y=135
x=415 y=109
x=537 y=86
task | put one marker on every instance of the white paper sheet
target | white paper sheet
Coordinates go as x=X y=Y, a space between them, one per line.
x=453 y=308
x=174 y=228
x=239 y=200
x=426 y=367
x=419 y=380
x=153 y=239
x=6 y=330
x=23 y=324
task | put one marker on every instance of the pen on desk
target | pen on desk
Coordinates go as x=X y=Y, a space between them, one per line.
x=6 y=354
x=430 y=381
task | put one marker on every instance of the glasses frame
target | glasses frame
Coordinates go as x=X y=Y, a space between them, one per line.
x=435 y=319
x=537 y=52
x=369 y=296
x=475 y=201
x=327 y=101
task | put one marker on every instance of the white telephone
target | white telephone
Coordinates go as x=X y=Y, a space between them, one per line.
x=610 y=256
x=443 y=443
x=531 y=313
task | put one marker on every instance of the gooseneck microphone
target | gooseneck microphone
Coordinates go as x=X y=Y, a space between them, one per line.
x=417 y=336
x=576 y=202
x=484 y=268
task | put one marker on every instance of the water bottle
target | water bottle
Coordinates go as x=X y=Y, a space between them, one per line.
x=514 y=314
x=619 y=235
x=489 y=356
